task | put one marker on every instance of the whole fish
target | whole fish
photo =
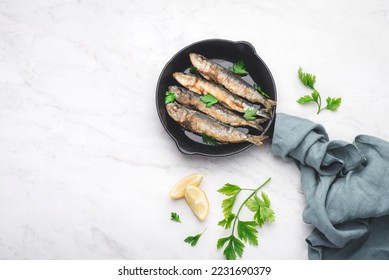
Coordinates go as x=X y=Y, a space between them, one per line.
x=202 y=124
x=226 y=98
x=218 y=112
x=217 y=73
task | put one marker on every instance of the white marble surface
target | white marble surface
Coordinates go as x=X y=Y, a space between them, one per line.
x=86 y=166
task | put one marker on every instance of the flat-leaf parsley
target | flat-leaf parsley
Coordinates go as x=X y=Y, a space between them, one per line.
x=246 y=230
x=208 y=100
x=309 y=81
x=175 y=217
x=250 y=114
x=192 y=240
x=239 y=68
x=208 y=139
x=169 y=97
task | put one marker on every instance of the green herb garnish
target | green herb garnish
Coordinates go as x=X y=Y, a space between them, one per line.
x=246 y=230
x=208 y=139
x=250 y=114
x=333 y=103
x=192 y=240
x=169 y=97
x=175 y=217
x=208 y=100
x=261 y=209
x=309 y=80
x=239 y=68
x=193 y=70
x=257 y=87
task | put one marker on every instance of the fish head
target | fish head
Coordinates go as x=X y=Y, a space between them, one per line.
x=182 y=96
x=201 y=63
x=174 y=89
x=197 y=60
x=185 y=79
x=177 y=112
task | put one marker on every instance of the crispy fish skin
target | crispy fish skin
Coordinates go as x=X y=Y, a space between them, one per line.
x=201 y=86
x=218 y=112
x=217 y=73
x=203 y=124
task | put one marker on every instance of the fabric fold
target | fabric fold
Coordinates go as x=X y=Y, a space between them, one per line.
x=346 y=186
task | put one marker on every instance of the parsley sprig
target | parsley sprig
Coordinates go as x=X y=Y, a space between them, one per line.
x=250 y=114
x=193 y=70
x=239 y=68
x=175 y=217
x=246 y=230
x=208 y=100
x=169 y=97
x=309 y=80
x=192 y=240
x=208 y=139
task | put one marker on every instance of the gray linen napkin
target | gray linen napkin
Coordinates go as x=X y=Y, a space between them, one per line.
x=346 y=186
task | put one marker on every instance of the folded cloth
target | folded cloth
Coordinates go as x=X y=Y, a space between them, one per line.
x=346 y=187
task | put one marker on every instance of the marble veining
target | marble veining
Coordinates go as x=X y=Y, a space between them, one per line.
x=86 y=166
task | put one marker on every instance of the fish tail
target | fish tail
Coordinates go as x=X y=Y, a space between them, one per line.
x=256 y=124
x=264 y=113
x=270 y=103
x=260 y=120
x=268 y=110
x=256 y=139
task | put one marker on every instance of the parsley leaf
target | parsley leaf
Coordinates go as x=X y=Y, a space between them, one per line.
x=266 y=199
x=234 y=247
x=193 y=70
x=261 y=208
x=239 y=68
x=253 y=204
x=208 y=139
x=229 y=189
x=257 y=87
x=192 y=240
x=305 y=99
x=307 y=79
x=315 y=95
x=247 y=231
x=267 y=215
x=250 y=114
x=227 y=205
x=227 y=222
x=333 y=103
x=222 y=241
x=175 y=217
x=208 y=100
x=169 y=97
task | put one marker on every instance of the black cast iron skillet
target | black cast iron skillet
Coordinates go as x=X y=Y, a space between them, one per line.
x=226 y=53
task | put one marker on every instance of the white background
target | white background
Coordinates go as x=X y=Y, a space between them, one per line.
x=109 y=269
x=86 y=166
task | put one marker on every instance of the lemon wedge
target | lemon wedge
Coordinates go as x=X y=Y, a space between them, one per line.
x=178 y=190
x=197 y=200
